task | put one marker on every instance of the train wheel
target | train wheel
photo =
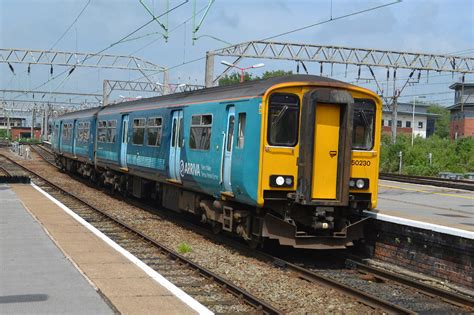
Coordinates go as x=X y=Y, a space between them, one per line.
x=216 y=227
x=255 y=242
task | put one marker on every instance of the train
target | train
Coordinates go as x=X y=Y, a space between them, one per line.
x=292 y=159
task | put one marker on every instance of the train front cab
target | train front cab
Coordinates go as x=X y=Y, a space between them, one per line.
x=312 y=136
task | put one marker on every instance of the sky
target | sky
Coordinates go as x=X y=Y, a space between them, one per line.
x=428 y=26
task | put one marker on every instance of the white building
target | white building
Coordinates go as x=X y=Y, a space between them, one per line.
x=424 y=121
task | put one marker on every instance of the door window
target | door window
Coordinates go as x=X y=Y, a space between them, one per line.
x=125 y=132
x=241 y=130
x=230 y=133
x=181 y=133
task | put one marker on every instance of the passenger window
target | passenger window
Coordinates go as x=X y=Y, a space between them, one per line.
x=111 y=130
x=102 y=131
x=241 y=130
x=154 y=128
x=363 y=124
x=86 y=131
x=79 y=132
x=200 y=132
x=67 y=132
x=283 y=120
x=138 y=131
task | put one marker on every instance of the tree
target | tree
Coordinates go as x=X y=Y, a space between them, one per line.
x=234 y=77
x=442 y=121
x=275 y=73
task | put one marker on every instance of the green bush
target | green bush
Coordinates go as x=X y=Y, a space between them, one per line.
x=447 y=155
x=184 y=248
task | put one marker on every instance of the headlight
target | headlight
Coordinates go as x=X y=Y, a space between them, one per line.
x=359 y=183
x=281 y=181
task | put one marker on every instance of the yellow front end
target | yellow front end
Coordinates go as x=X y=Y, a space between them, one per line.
x=284 y=160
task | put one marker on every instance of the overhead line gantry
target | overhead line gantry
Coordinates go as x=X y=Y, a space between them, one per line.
x=328 y=54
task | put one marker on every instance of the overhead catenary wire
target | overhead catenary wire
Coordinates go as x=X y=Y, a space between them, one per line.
x=157 y=39
x=332 y=19
x=71 y=25
x=112 y=45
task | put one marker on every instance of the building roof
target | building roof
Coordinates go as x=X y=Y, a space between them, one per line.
x=389 y=111
x=458 y=106
x=409 y=104
x=460 y=84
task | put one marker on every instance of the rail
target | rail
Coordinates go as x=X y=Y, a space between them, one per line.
x=425 y=180
x=359 y=295
x=241 y=294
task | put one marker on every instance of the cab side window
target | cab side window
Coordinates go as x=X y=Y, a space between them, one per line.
x=283 y=120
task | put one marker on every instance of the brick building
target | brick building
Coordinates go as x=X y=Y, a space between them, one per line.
x=24 y=132
x=462 y=112
x=424 y=121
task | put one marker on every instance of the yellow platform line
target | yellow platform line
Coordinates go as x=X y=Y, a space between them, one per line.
x=426 y=192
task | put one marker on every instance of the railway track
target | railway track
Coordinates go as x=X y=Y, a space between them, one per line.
x=434 y=181
x=45 y=153
x=418 y=297
x=410 y=295
x=216 y=293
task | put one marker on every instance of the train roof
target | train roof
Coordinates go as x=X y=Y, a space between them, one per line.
x=89 y=112
x=242 y=90
x=247 y=89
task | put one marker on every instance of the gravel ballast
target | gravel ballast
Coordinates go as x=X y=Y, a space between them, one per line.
x=279 y=287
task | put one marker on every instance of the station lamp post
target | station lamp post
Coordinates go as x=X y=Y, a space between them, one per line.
x=413 y=118
x=242 y=70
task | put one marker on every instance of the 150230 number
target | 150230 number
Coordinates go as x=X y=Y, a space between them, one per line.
x=360 y=162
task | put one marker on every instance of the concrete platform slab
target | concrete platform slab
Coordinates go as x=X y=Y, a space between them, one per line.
x=164 y=305
x=129 y=288
x=446 y=207
x=111 y=270
x=35 y=276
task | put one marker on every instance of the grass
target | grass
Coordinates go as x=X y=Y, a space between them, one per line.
x=184 y=248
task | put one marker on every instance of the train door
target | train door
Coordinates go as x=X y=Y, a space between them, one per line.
x=325 y=157
x=228 y=148
x=124 y=142
x=55 y=140
x=73 y=142
x=325 y=147
x=60 y=135
x=177 y=130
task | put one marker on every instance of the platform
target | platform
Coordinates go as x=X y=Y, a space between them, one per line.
x=448 y=210
x=35 y=276
x=51 y=263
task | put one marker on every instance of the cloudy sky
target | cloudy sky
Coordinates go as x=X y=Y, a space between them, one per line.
x=431 y=26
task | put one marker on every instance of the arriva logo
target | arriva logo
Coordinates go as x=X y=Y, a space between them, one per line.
x=193 y=169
